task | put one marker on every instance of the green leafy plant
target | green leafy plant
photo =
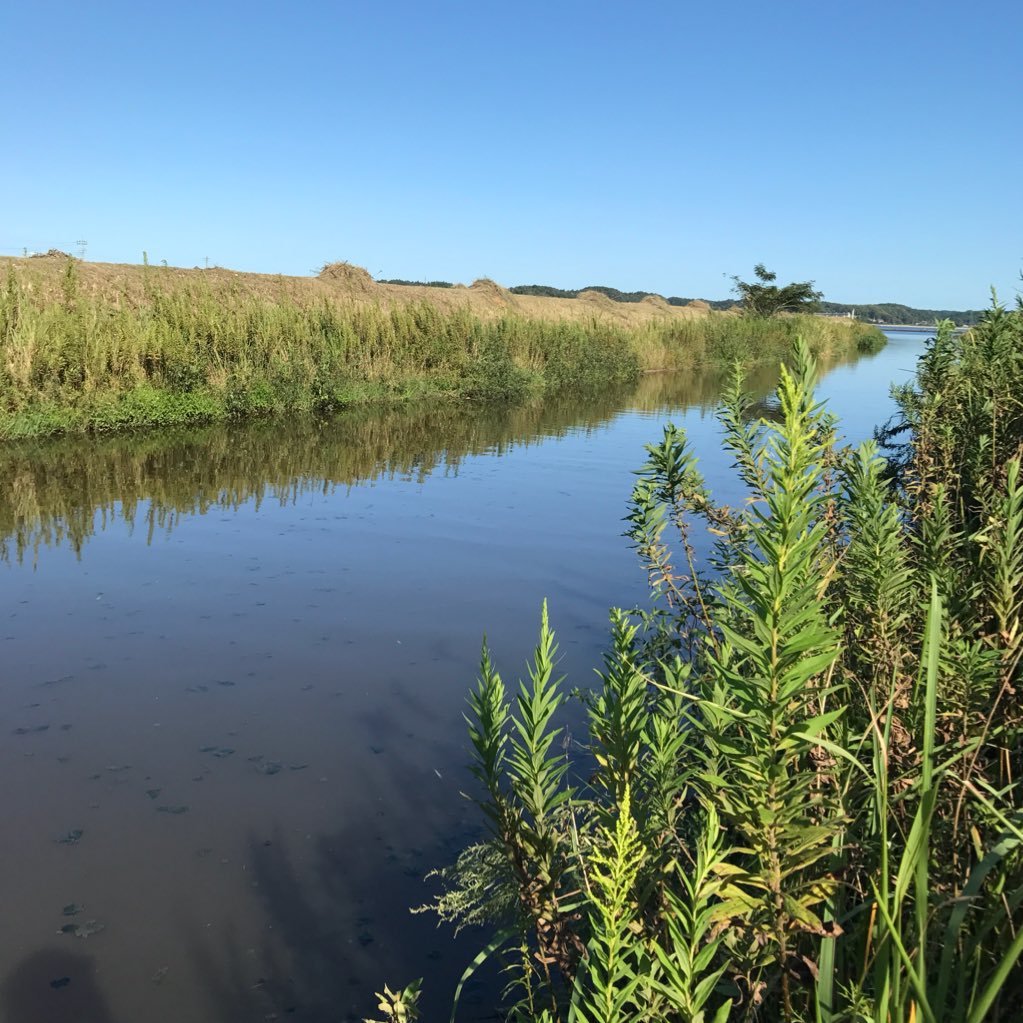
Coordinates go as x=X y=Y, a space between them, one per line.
x=800 y=799
x=399 y=1006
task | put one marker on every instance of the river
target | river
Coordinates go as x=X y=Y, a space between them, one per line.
x=235 y=666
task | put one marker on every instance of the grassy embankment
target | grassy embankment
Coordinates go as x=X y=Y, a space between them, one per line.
x=91 y=347
x=800 y=799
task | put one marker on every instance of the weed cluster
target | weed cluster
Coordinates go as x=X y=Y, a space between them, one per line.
x=801 y=798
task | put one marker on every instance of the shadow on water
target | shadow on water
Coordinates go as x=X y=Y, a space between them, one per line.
x=338 y=924
x=54 y=986
x=332 y=941
x=61 y=492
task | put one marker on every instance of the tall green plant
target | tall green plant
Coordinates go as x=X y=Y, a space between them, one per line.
x=801 y=798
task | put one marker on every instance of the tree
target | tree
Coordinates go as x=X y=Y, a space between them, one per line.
x=766 y=298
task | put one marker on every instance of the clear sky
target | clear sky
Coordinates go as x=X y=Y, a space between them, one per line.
x=875 y=147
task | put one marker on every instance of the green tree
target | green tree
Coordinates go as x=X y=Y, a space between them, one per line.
x=766 y=298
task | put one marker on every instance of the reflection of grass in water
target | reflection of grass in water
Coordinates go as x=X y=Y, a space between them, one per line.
x=59 y=491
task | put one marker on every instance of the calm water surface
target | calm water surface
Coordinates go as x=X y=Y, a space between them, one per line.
x=235 y=664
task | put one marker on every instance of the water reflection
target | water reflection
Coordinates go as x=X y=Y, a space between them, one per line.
x=268 y=630
x=61 y=492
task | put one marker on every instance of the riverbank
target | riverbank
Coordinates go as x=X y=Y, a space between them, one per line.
x=96 y=347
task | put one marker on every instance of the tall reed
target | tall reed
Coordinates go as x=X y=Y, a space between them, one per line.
x=181 y=353
x=800 y=799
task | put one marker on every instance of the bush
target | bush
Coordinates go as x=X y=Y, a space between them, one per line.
x=801 y=799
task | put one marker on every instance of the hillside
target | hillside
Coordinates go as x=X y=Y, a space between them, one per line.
x=342 y=281
x=876 y=312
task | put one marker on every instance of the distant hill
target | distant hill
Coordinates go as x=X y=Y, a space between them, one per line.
x=545 y=291
x=877 y=312
x=895 y=314
x=885 y=313
x=419 y=284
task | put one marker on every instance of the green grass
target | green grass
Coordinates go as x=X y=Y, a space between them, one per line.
x=183 y=355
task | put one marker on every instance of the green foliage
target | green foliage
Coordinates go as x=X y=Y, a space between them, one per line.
x=399 y=1006
x=803 y=801
x=768 y=695
x=765 y=298
x=617 y=975
x=877 y=580
x=690 y=955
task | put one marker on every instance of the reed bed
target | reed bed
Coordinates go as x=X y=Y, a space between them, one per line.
x=172 y=352
x=800 y=796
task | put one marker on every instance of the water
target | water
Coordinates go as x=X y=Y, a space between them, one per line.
x=235 y=665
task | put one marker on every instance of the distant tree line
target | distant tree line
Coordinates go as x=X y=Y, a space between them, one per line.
x=614 y=294
x=895 y=314
x=420 y=284
x=888 y=313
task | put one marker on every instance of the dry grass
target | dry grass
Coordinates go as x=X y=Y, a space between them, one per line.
x=355 y=279
x=485 y=299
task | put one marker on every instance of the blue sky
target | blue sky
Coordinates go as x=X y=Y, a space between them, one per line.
x=874 y=147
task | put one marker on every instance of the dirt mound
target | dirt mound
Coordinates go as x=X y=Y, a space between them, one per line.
x=656 y=302
x=492 y=292
x=52 y=254
x=355 y=278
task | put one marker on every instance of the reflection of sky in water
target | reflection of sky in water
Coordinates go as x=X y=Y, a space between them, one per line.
x=858 y=394
x=334 y=634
